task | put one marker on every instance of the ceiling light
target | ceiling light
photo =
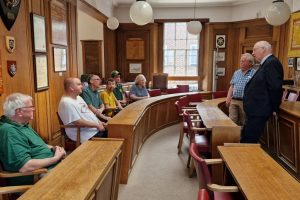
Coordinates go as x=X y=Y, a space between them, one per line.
x=278 y=13
x=141 y=12
x=112 y=23
x=194 y=27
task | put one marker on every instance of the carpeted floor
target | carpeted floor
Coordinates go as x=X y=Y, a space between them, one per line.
x=159 y=173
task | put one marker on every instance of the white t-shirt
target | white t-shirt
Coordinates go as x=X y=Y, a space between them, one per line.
x=71 y=110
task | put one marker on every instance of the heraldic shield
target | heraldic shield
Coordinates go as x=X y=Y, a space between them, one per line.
x=11 y=67
x=9 y=10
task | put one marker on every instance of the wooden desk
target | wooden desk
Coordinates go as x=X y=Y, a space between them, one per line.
x=258 y=176
x=223 y=130
x=89 y=172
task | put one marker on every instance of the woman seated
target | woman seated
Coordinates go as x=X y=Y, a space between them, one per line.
x=138 y=90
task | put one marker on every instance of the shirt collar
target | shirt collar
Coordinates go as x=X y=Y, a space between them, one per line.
x=91 y=89
x=265 y=58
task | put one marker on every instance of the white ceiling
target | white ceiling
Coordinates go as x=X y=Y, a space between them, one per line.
x=184 y=3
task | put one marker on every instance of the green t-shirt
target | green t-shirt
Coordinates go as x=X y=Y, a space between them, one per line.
x=119 y=91
x=91 y=97
x=18 y=144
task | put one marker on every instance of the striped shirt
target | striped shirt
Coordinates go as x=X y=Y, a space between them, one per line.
x=239 y=81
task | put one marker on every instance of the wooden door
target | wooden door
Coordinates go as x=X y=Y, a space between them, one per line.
x=92 y=56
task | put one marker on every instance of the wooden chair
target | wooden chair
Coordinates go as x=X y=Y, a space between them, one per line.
x=183 y=105
x=198 y=135
x=194 y=98
x=215 y=191
x=219 y=94
x=160 y=81
x=172 y=90
x=5 y=191
x=154 y=92
x=183 y=88
x=66 y=142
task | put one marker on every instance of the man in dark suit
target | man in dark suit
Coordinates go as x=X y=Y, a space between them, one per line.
x=263 y=93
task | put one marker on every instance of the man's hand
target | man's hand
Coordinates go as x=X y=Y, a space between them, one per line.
x=100 y=127
x=59 y=153
x=228 y=101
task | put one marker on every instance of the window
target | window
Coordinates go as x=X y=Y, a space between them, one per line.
x=180 y=50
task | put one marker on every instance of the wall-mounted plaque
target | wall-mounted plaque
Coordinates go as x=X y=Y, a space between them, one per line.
x=220 y=41
x=41 y=72
x=9 y=10
x=39 y=33
x=60 y=59
x=135 y=68
x=135 y=49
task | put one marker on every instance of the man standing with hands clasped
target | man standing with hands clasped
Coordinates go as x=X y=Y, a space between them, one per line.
x=263 y=93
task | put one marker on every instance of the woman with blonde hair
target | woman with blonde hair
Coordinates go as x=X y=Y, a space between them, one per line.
x=139 y=91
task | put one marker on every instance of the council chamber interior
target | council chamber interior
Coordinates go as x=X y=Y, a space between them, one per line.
x=151 y=151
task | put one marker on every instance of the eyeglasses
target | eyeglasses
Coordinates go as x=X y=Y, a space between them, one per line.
x=32 y=107
x=96 y=79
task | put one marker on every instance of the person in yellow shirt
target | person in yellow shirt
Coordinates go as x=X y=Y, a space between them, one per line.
x=112 y=105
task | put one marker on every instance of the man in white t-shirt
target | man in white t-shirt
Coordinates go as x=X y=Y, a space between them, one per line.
x=72 y=109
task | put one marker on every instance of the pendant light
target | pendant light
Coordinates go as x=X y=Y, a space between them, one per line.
x=194 y=27
x=112 y=23
x=278 y=13
x=141 y=12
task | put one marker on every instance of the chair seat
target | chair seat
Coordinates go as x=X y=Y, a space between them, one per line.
x=202 y=143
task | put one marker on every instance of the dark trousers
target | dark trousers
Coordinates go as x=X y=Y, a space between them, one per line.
x=101 y=134
x=253 y=128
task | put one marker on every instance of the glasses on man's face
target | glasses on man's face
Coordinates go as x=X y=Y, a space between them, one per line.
x=28 y=107
x=96 y=79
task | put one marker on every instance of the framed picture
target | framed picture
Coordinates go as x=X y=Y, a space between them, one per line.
x=298 y=64
x=38 y=33
x=294 y=37
x=291 y=62
x=41 y=72
x=220 y=56
x=60 y=59
x=220 y=72
x=220 y=41
x=135 y=68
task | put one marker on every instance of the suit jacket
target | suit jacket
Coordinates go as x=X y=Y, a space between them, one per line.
x=263 y=92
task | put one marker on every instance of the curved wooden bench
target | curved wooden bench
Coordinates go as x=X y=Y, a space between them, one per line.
x=139 y=120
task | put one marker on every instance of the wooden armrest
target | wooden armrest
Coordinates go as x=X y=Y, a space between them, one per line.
x=198 y=129
x=14 y=189
x=196 y=120
x=213 y=161
x=5 y=174
x=222 y=188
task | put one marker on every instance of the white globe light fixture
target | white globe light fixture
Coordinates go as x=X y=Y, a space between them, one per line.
x=194 y=27
x=141 y=12
x=112 y=23
x=278 y=13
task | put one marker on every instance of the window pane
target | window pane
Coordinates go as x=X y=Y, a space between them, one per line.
x=181 y=50
x=193 y=85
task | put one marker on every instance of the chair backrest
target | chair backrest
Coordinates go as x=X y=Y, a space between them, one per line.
x=284 y=95
x=183 y=88
x=172 y=90
x=203 y=173
x=160 y=81
x=292 y=97
x=188 y=120
x=219 y=94
x=197 y=97
x=154 y=92
x=65 y=141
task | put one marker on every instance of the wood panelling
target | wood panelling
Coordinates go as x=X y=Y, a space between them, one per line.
x=46 y=102
x=110 y=52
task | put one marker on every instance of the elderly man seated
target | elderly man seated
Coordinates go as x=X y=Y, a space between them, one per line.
x=21 y=148
x=72 y=109
x=90 y=95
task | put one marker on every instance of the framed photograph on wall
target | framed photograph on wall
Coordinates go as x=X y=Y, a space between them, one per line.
x=41 y=72
x=60 y=59
x=291 y=62
x=294 y=37
x=135 y=68
x=220 y=41
x=298 y=64
x=38 y=33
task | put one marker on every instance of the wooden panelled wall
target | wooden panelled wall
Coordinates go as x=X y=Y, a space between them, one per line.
x=240 y=38
x=57 y=15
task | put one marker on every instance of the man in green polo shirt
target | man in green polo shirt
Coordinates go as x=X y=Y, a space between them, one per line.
x=119 y=91
x=90 y=95
x=21 y=148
